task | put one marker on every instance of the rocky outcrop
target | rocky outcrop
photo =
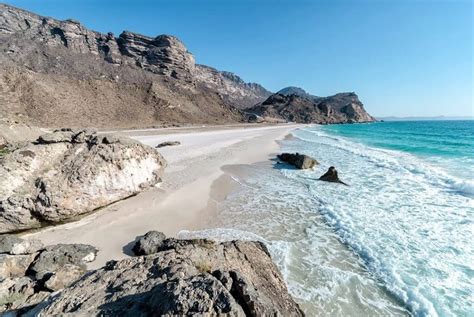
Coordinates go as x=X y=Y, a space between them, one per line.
x=27 y=279
x=13 y=245
x=68 y=173
x=184 y=277
x=331 y=176
x=296 y=105
x=55 y=257
x=300 y=161
x=164 y=54
x=231 y=87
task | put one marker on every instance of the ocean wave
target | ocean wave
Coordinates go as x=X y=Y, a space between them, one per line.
x=414 y=301
x=405 y=217
x=394 y=160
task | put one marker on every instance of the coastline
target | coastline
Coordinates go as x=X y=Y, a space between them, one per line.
x=183 y=200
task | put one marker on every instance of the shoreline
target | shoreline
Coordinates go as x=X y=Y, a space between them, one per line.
x=182 y=201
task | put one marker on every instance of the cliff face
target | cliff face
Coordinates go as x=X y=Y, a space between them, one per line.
x=56 y=73
x=231 y=87
x=296 y=105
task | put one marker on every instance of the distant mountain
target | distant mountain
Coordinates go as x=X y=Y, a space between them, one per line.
x=59 y=73
x=434 y=118
x=295 y=91
x=295 y=104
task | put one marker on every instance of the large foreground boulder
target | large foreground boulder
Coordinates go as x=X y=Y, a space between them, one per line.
x=184 y=277
x=300 y=161
x=68 y=173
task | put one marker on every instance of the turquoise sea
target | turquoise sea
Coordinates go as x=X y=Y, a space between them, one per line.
x=397 y=241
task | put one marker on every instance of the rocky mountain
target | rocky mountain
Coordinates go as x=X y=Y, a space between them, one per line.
x=295 y=104
x=292 y=90
x=231 y=87
x=59 y=73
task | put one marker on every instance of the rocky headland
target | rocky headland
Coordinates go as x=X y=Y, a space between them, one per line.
x=296 y=105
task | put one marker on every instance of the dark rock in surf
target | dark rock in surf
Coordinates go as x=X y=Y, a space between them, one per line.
x=331 y=176
x=300 y=161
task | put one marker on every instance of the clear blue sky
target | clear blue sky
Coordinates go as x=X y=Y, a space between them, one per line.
x=404 y=58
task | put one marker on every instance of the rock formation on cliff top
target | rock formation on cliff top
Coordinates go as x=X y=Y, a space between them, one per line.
x=68 y=173
x=296 y=105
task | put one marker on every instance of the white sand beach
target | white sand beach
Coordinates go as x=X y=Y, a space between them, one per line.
x=182 y=201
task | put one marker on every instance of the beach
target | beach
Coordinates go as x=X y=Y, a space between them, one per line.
x=182 y=201
x=342 y=250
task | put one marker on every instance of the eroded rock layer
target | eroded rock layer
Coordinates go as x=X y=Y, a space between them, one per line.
x=184 y=277
x=68 y=173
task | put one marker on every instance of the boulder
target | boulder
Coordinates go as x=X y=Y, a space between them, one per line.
x=14 y=292
x=68 y=173
x=186 y=277
x=168 y=143
x=14 y=245
x=150 y=243
x=12 y=266
x=300 y=161
x=19 y=293
x=64 y=276
x=8 y=241
x=331 y=176
x=56 y=257
x=56 y=137
x=26 y=280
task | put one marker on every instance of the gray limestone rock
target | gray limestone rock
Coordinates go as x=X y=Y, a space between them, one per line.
x=56 y=257
x=64 y=276
x=12 y=266
x=187 y=277
x=14 y=245
x=68 y=173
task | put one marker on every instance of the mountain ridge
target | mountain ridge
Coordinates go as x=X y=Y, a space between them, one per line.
x=59 y=73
